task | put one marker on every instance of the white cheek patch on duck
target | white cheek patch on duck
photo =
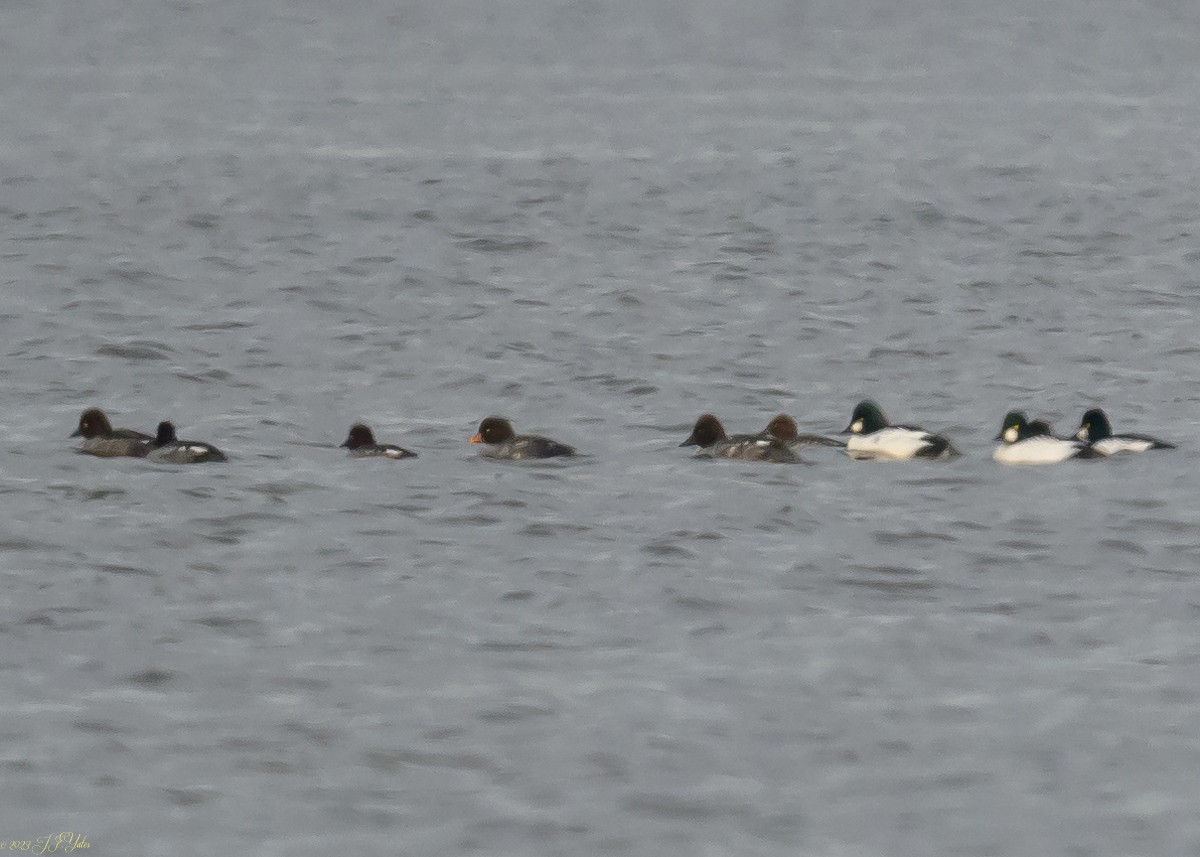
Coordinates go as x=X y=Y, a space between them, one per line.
x=1082 y=434
x=1010 y=434
x=856 y=427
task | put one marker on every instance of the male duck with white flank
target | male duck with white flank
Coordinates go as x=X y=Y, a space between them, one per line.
x=1095 y=431
x=873 y=437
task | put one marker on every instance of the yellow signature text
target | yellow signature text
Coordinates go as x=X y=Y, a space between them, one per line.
x=62 y=843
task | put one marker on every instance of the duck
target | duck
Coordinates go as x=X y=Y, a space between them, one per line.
x=1095 y=431
x=783 y=427
x=709 y=435
x=873 y=437
x=169 y=449
x=1025 y=441
x=361 y=443
x=101 y=439
x=501 y=441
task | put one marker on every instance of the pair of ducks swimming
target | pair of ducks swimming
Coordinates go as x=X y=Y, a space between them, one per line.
x=497 y=435
x=1026 y=441
x=871 y=436
x=101 y=439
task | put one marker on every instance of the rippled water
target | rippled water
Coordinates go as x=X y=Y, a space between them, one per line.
x=600 y=220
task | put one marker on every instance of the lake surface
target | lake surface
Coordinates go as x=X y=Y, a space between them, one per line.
x=267 y=221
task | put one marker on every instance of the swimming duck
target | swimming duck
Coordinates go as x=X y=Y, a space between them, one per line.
x=361 y=443
x=500 y=441
x=169 y=449
x=784 y=428
x=872 y=436
x=100 y=438
x=1095 y=431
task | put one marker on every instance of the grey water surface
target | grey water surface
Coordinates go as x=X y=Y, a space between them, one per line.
x=267 y=221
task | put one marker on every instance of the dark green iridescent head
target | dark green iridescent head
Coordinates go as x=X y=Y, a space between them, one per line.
x=867 y=417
